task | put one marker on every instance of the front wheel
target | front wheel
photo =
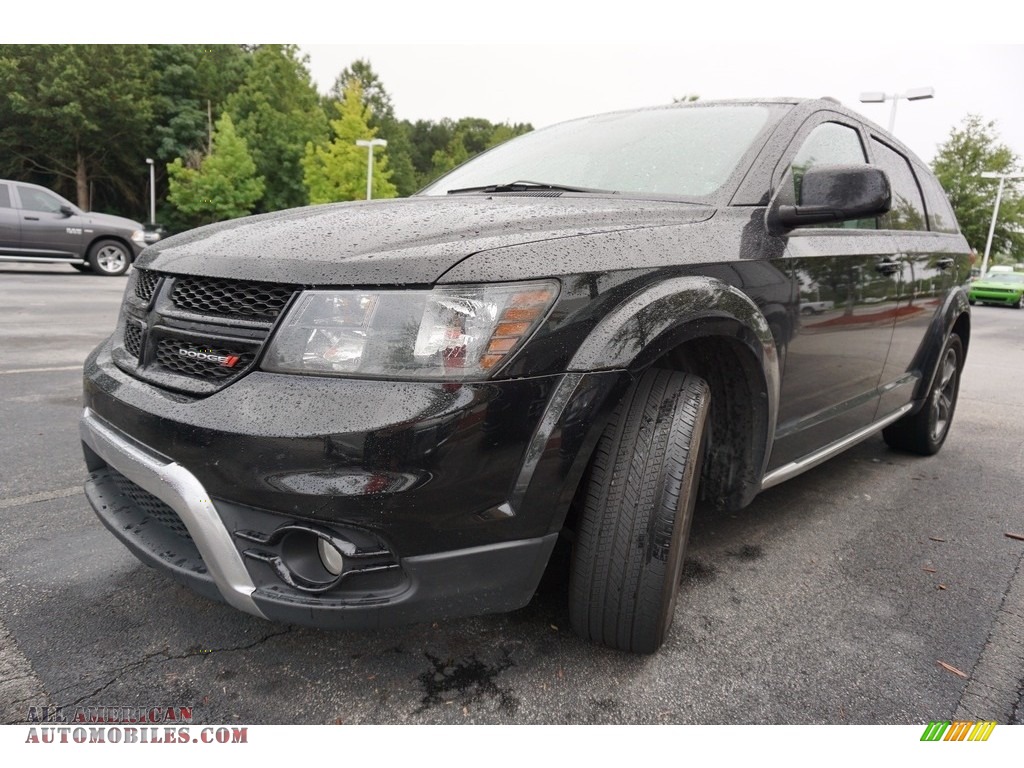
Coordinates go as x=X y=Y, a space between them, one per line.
x=109 y=258
x=631 y=538
x=925 y=431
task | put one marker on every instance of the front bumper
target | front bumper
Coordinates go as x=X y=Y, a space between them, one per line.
x=453 y=495
x=994 y=295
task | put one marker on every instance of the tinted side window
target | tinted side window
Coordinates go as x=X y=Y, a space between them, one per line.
x=38 y=200
x=830 y=144
x=940 y=213
x=907 y=210
x=5 y=196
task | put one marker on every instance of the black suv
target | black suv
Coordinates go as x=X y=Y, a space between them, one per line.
x=40 y=226
x=360 y=414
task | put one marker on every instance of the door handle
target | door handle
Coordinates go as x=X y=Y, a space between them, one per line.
x=31 y=218
x=888 y=267
x=945 y=263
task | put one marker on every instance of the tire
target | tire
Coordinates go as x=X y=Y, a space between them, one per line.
x=925 y=431
x=972 y=302
x=109 y=258
x=635 y=519
x=1020 y=302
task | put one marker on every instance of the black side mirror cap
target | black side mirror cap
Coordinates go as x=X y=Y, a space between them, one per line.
x=67 y=210
x=835 y=193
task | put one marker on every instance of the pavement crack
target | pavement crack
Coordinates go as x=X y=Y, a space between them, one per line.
x=198 y=651
x=159 y=657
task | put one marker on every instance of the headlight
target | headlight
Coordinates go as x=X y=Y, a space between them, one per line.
x=451 y=332
x=138 y=236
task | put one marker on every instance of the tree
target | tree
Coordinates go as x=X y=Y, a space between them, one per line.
x=469 y=137
x=336 y=170
x=972 y=148
x=382 y=119
x=190 y=83
x=71 y=115
x=278 y=111
x=221 y=185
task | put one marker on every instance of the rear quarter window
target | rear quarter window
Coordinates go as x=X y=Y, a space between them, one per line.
x=940 y=214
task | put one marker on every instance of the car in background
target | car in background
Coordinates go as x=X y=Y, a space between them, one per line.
x=999 y=286
x=38 y=225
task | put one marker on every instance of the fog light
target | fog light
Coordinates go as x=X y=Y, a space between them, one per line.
x=330 y=556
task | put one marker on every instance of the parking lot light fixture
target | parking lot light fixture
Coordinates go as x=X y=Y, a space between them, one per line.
x=995 y=211
x=152 y=191
x=370 y=144
x=914 y=94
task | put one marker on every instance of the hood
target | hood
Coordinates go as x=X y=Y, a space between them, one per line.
x=111 y=221
x=411 y=241
x=990 y=282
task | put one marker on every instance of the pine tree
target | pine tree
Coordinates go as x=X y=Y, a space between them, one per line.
x=336 y=171
x=223 y=185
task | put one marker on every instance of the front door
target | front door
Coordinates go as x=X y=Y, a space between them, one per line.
x=10 y=222
x=847 y=280
x=44 y=228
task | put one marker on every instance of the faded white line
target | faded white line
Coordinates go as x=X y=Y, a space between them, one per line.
x=31 y=498
x=44 y=370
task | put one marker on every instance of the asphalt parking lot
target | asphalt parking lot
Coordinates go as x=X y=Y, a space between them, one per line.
x=877 y=588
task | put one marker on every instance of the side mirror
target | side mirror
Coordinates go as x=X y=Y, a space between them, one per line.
x=834 y=193
x=67 y=210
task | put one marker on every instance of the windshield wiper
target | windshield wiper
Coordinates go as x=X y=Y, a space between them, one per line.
x=529 y=186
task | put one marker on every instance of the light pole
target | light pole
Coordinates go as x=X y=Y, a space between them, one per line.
x=914 y=94
x=152 y=191
x=370 y=144
x=995 y=211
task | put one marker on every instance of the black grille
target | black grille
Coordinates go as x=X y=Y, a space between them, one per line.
x=169 y=355
x=151 y=505
x=145 y=283
x=213 y=296
x=132 y=339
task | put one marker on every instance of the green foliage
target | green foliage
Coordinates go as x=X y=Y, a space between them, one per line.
x=225 y=184
x=277 y=110
x=71 y=115
x=972 y=148
x=82 y=119
x=451 y=143
x=382 y=119
x=336 y=170
x=191 y=81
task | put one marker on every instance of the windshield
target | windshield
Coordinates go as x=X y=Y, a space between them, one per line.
x=687 y=152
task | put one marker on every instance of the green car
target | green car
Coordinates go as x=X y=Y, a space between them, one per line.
x=998 y=288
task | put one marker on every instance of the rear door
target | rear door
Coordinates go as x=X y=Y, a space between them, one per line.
x=932 y=257
x=847 y=282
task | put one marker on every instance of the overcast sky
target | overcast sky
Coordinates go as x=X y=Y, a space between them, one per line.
x=546 y=83
x=543 y=61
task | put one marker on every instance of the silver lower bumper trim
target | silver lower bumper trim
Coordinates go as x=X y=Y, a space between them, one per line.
x=181 y=490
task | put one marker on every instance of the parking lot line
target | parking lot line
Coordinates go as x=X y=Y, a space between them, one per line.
x=43 y=370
